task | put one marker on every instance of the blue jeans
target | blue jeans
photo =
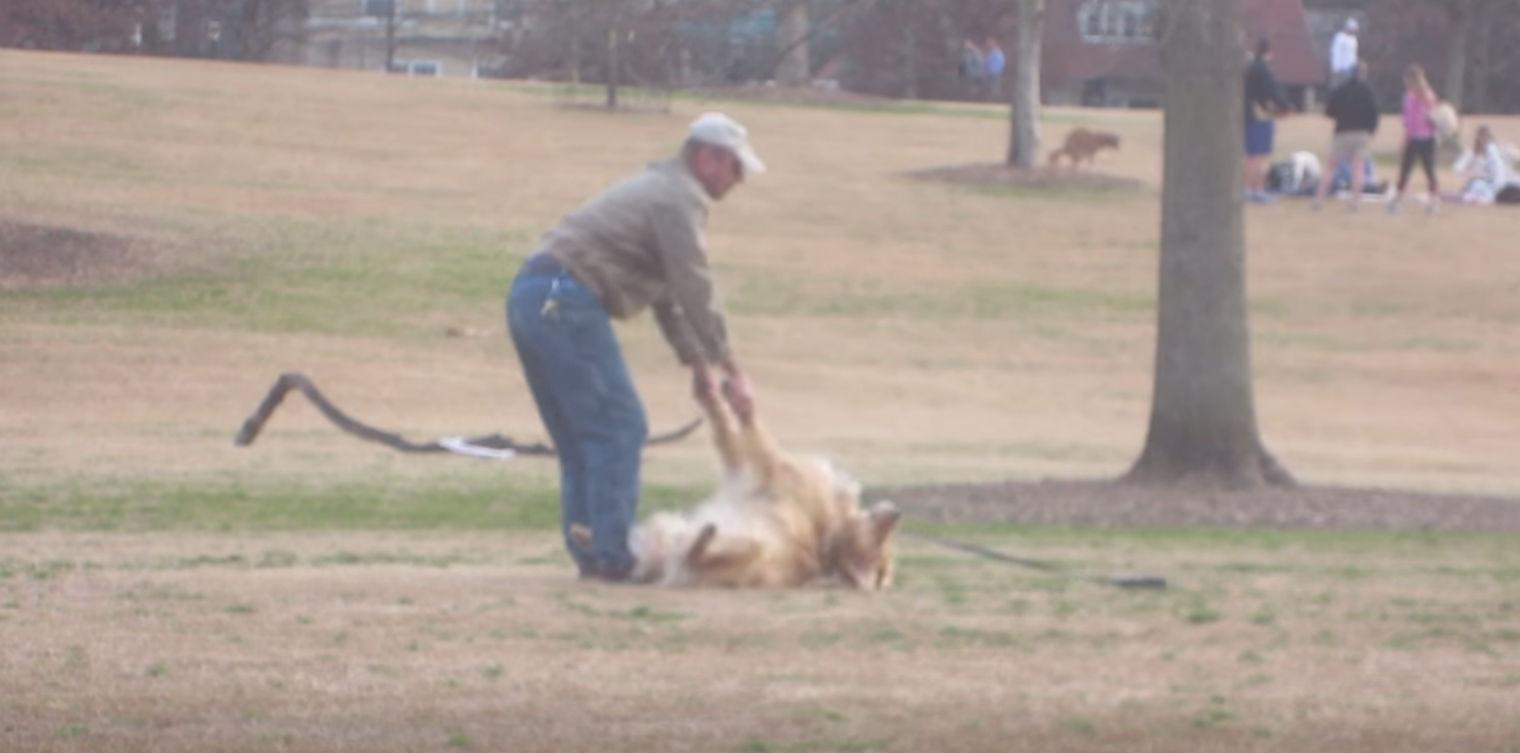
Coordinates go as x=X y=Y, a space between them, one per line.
x=586 y=398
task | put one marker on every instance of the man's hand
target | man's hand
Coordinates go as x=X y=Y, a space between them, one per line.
x=739 y=394
x=704 y=383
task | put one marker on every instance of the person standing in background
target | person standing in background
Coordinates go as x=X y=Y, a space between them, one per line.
x=973 y=68
x=1343 y=54
x=1355 y=111
x=996 y=63
x=1264 y=101
x=1419 y=137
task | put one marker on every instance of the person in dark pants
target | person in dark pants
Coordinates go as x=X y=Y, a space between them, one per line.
x=1419 y=137
x=1264 y=101
x=1354 y=108
x=638 y=245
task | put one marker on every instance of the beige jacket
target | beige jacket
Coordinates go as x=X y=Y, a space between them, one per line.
x=641 y=244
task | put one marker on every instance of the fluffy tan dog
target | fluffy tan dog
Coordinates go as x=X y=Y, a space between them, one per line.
x=1081 y=144
x=775 y=521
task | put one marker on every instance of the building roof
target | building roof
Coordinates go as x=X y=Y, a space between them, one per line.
x=1294 y=59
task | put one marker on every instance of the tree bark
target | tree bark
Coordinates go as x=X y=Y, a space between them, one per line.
x=1482 y=59
x=1024 y=138
x=614 y=66
x=794 y=68
x=1461 y=13
x=390 y=36
x=910 y=60
x=1203 y=419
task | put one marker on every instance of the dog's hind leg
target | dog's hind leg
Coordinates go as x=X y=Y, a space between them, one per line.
x=716 y=561
x=701 y=543
x=742 y=445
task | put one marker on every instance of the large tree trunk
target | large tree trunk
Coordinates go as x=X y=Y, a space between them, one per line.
x=1203 y=417
x=793 y=69
x=1024 y=139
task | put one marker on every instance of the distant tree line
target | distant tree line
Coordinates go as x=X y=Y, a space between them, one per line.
x=897 y=48
x=227 y=29
x=900 y=48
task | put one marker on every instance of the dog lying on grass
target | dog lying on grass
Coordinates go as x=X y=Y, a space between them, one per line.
x=1082 y=143
x=776 y=521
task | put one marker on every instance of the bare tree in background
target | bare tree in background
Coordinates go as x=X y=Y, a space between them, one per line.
x=1203 y=416
x=93 y=25
x=1024 y=137
x=793 y=32
x=390 y=35
x=1461 y=14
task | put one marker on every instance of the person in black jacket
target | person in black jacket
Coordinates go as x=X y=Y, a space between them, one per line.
x=1264 y=101
x=1354 y=108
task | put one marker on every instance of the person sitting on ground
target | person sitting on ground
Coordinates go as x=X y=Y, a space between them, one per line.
x=1486 y=168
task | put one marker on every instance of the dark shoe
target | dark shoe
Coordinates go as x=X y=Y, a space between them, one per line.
x=608 y=574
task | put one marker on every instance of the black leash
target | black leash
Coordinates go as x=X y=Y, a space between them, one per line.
x=1118 y=580
x=481 y=445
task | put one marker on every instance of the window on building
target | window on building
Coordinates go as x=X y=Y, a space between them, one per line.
x=1117 y=20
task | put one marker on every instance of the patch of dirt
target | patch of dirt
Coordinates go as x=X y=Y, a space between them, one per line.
x=1103 y=504
x=998 y=174
x=44 y=256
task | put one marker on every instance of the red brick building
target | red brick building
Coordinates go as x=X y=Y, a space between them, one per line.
x=1103 y=52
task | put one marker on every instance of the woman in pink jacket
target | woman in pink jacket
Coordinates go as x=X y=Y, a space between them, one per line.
x=1419 y=136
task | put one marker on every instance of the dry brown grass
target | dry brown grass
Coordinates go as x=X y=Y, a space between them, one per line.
x=1385 y=347
x=318 y=642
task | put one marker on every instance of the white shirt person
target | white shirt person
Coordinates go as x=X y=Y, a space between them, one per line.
x=1343 y=53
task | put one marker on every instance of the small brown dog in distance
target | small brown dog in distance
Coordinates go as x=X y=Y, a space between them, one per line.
x=1083 y=144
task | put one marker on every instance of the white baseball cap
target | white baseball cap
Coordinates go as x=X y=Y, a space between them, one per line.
x=718 y=129
x=1351 y=24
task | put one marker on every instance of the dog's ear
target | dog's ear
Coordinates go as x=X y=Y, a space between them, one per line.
x=884 y=516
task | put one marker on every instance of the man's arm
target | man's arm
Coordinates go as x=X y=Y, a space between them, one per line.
x=693 y=308
x=677 y=332
x=684 y=258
